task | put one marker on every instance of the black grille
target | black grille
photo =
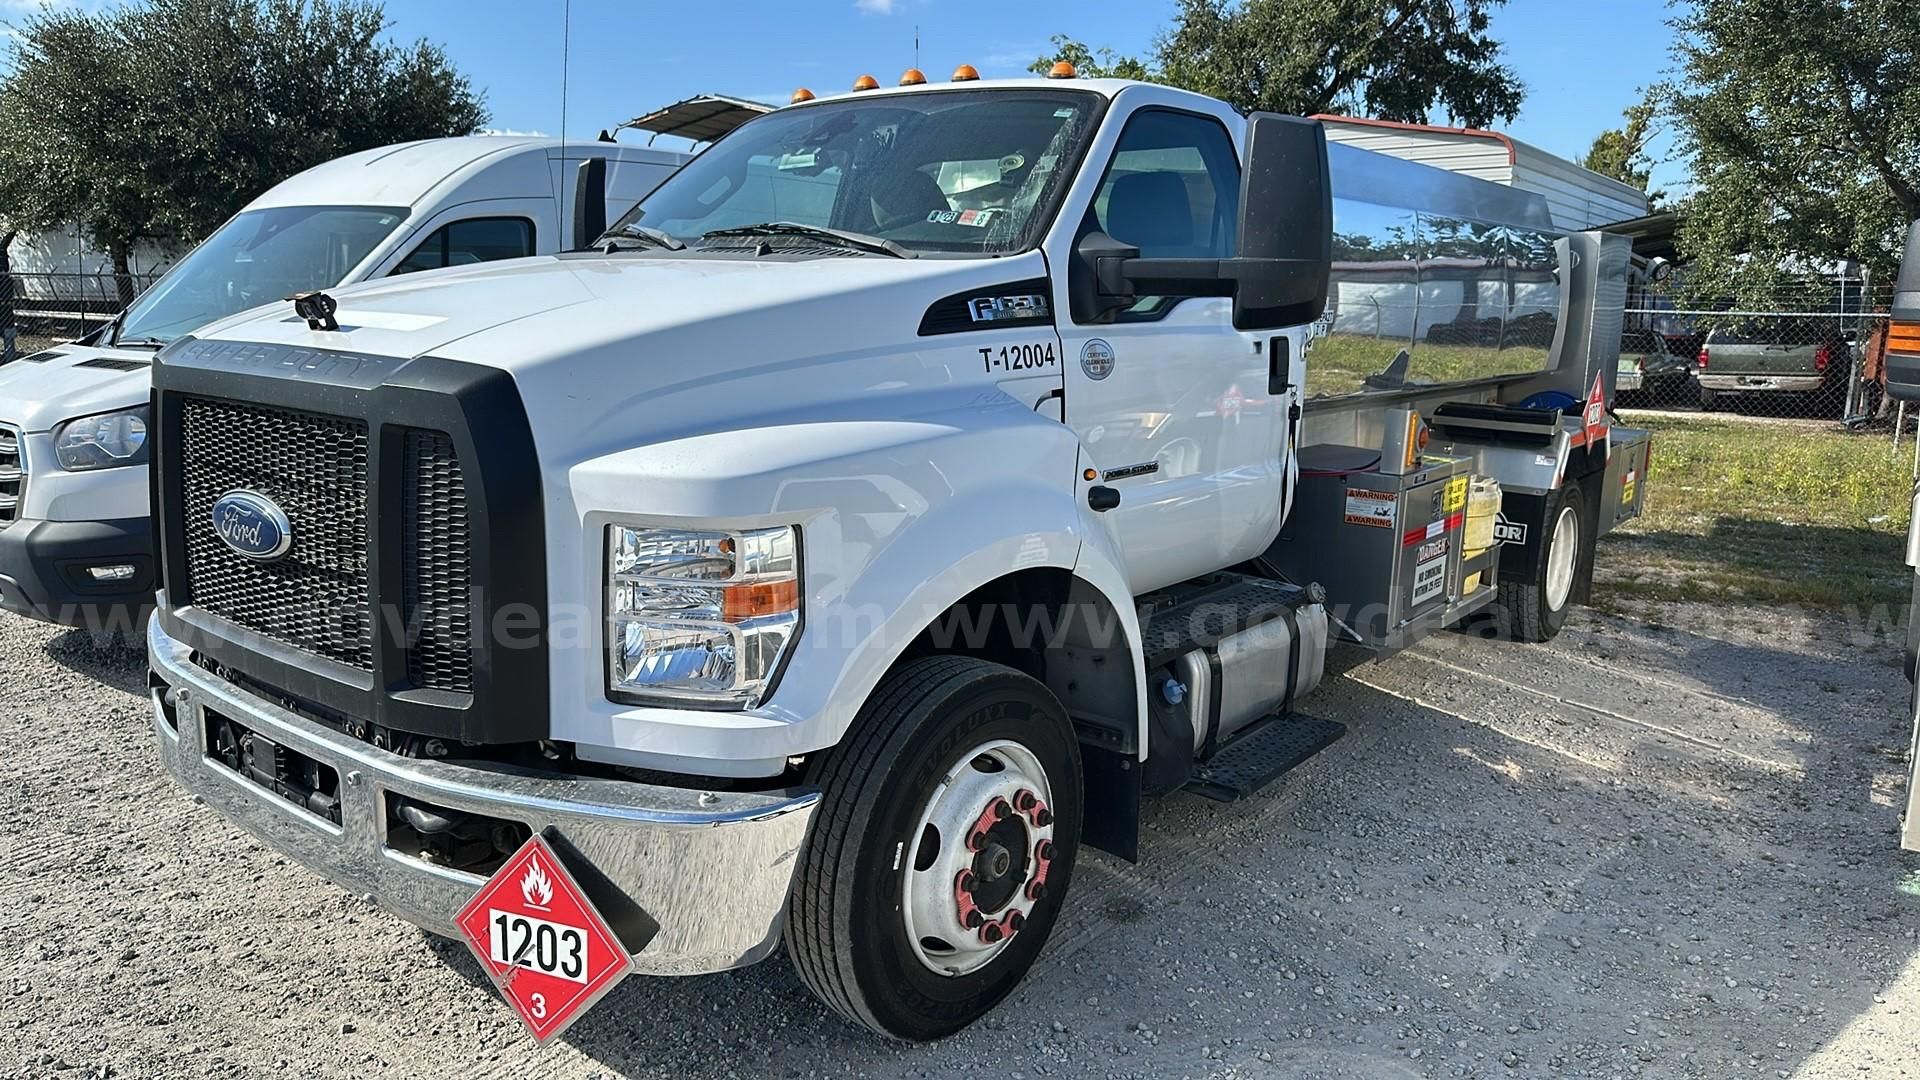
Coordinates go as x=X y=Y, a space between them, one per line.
x=315 y=468
x=13 y=476
x=436 y=564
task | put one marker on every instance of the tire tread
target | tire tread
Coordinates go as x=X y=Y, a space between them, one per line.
x=814 y=942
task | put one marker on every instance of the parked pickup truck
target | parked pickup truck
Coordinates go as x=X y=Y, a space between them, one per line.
x=893 y=500
x=1771 y=357
x=76 y=544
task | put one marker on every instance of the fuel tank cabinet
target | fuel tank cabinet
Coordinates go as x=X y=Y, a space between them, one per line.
x=1388 y=547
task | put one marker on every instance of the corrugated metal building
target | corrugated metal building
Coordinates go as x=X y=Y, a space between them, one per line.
x=1578 y=198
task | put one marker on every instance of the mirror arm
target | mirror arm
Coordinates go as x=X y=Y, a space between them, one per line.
x=1179 y=277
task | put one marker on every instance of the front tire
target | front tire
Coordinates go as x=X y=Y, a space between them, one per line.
x=942 y=849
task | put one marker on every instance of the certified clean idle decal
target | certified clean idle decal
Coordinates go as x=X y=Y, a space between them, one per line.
x=1096 y=359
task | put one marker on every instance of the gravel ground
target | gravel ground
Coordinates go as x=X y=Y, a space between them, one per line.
x=1638 y=851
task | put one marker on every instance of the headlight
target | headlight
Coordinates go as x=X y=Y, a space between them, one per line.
x=105 y=441
x=699 y=617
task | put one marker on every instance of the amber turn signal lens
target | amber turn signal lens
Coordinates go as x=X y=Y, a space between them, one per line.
x=866 y=82
x=965 y=73
x=1091 y=474
x=1061 y=70
x=800 y=95
x=913 y=77
x=741 y=602
x=1904 y=338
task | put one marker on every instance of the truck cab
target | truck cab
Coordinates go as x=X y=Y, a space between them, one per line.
x=75 y=536
x=904 y=490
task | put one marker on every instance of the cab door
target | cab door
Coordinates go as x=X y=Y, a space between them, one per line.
x=1170 y=402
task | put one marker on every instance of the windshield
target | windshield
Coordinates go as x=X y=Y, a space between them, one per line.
x=258 y=257
x=949 y=171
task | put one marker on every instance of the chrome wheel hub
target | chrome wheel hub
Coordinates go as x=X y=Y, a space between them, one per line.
x=977 y=862
x=1563 y=550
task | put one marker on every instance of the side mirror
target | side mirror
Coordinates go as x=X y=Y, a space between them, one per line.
x=1286 y=224
x=1285 y=252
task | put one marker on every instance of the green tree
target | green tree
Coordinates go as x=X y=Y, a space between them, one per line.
x=1622 y=152
x=1389 y=59
x=1091 y=63
x=158 y=121
x=1801 y=119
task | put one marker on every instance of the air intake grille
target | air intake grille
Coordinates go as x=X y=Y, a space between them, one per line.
x=13 y=476
x=436 y=564
x=315 y=467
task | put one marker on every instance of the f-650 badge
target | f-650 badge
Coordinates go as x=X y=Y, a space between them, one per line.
x=1005 y=308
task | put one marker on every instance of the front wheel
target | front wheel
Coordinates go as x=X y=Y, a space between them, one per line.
x=944 y=842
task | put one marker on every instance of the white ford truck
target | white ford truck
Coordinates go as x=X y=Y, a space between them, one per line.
x=76 y=543
x=903 y=491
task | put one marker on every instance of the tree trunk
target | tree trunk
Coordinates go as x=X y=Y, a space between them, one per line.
x=122 y=273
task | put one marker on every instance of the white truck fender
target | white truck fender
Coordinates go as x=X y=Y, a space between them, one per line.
x=898 y=521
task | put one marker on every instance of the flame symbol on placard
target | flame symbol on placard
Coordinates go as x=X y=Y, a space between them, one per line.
x=535 y=886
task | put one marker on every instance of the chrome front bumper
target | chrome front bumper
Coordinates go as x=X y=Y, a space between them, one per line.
x=711 y=868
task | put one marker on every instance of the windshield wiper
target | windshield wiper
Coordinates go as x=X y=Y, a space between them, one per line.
x=855 y=240
x=141 y=343
x=639 y=236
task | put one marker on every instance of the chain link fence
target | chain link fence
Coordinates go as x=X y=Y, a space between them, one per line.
x=1807 y=356
x=42 y=309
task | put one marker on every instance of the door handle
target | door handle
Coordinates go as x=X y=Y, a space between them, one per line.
x=1279 y=365
x=1102 y=498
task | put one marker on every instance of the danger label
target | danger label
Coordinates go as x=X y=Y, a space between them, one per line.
x=1429 y=579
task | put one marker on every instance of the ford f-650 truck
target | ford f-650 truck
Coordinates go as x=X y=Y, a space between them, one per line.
x=900 y=494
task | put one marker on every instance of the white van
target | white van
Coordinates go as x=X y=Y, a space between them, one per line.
x=76 y=545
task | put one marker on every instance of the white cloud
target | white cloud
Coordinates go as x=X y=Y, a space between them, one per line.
x=875 y=7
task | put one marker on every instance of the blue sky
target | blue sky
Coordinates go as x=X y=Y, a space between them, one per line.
x=1582 y=62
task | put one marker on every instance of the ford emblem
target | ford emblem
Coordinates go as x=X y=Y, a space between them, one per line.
x=253 y=525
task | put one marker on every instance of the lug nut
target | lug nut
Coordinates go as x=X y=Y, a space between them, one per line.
x=991 y=933
x=1044 y=818
x=1044 y=849
x=1024 y=800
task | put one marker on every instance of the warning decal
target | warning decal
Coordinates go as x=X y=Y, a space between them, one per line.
x=1375 y=509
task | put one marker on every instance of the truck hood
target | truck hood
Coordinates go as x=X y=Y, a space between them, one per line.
x=570 y=303
x=73 y=380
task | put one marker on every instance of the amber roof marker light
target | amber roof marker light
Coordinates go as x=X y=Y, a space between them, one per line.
x=866 y=82
x=913 y=77
x=800 y=95
x=1061 y=70
x=965 y=73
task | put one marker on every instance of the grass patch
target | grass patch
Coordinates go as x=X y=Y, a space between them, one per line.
x=1804 y=514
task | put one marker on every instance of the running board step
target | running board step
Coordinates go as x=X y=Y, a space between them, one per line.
x=1266 y=752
